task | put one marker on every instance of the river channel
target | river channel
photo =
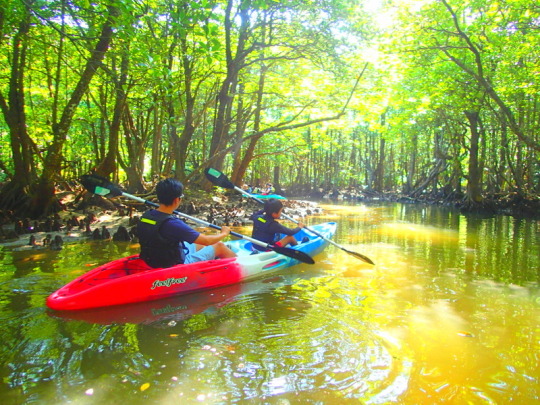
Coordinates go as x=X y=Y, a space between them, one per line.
x=449 y=314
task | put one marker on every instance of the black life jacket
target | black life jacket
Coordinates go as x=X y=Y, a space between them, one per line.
x=156 y=250
x=261 y=229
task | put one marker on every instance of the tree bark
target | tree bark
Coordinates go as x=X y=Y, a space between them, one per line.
x=474 y=186
x=13 y=110
x=109 y=165
x=228 y=86
x=135 y=143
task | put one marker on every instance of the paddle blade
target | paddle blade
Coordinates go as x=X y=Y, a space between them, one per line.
x=100 y=185
x=292 y=253
x=360 y=256
x=219 y=179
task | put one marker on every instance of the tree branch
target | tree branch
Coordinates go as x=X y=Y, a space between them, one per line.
x=284 y=126
x=485 y=82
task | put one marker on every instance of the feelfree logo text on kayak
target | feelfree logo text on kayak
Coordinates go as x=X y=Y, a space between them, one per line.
x=169 y=282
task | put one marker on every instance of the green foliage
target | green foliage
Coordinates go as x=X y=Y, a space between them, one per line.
x=296 y=65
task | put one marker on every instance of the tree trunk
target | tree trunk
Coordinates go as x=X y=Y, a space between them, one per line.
x=411 y=165
x=440 y=166
x=109 y=165
x=15 y=193
x=378 y=182
x=135 y=143
x=485 y=82
x=157 y=141
x=474 y=186
x=277 y=182
x=241 y=164
x=182 y=144
x=228 y=87
x=36 y=197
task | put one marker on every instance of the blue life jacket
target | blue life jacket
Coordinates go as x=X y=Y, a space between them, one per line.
x=156 y=250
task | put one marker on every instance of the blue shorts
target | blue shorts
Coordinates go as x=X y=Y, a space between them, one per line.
x=194 y=255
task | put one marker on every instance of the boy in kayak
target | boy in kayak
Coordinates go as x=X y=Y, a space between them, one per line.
x=267 y=229
x=167 y=240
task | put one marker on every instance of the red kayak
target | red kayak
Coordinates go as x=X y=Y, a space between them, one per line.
x=130 y=279
x=176 y=308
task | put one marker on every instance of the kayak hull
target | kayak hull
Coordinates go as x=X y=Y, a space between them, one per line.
x=179 y=307
x=130 y=279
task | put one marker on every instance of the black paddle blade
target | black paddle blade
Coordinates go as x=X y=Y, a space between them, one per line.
x=292 y=253
x=100 y=185
x=219 y=179
x=360 y=256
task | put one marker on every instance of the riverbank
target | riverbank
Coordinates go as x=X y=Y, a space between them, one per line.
x=97 y=218
x=508 y=204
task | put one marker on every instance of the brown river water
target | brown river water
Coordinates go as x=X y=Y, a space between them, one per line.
x=449 y=314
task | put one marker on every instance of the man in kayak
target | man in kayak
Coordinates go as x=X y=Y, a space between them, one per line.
x=267 y=229
x=167 y=240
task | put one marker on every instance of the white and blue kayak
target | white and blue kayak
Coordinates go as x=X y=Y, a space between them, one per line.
x=268 y=196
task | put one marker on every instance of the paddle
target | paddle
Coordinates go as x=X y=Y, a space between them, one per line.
x=103 y=187
x=219 y=179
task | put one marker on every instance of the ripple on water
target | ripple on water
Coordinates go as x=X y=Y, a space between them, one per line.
x=298 y=350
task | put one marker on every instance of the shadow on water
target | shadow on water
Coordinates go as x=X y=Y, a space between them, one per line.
x=449 y=314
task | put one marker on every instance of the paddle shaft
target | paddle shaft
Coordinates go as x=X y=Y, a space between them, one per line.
x=200 y=221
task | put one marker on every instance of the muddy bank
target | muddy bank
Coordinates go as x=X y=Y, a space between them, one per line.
x=97 y=218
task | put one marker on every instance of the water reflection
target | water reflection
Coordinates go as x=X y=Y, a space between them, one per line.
x=448 y=315
x=277 y=345
x=502 y=248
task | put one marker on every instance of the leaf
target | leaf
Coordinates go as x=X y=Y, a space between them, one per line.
x=145 y=386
